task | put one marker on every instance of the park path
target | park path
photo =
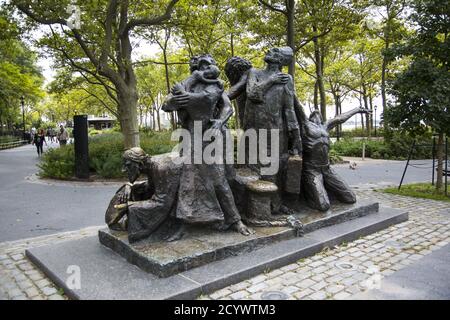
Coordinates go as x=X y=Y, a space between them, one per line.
x=30 y=207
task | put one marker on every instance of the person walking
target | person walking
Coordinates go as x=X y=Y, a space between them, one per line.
x=62 y=136
x=52 y=135
x=39 y=140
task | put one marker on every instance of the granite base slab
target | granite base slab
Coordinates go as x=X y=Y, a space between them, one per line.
x=201 y=246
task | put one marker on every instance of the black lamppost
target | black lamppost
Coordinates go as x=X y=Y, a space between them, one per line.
x=22 y=102
x=338 y=102
x=375 y=108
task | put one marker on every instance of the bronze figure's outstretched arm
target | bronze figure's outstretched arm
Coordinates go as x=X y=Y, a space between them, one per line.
x=330 y=124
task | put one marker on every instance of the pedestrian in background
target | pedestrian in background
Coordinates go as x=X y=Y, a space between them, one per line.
x=62 y=136
x=39 y=140
x=52 y=135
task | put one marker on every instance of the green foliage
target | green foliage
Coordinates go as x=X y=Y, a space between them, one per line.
x=105 y=155
x=334 y=156
x=419 y=190
x=58 y=163
x=422 y=91
x=396 y=146
x=6 y=139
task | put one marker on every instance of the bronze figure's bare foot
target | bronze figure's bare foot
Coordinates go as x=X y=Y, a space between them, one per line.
x=242 y=228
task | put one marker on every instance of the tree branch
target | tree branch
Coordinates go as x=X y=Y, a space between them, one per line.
x=115 y=113
x=306 y=41
x=271 y=7
x=111 y=14
x=152 y=20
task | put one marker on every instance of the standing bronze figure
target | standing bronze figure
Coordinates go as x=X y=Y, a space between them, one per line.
x=204 y=194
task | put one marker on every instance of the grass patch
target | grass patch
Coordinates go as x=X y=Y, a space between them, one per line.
x=418 y=190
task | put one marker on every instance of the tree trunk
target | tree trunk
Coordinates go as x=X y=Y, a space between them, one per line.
x=153 y=121
x=128 y=118
x=440 y=162
x=166 y=69
x=159 y=120
x=383 y=83
x=319 y=74
x=372 y=123
x=316 y=95
x=336 y=102
x=291 y=33
x=366 y=106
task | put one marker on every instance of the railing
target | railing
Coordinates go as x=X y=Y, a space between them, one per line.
x=12 y=144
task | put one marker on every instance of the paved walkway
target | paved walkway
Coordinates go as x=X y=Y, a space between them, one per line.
x=30 y=208
x=337 y=273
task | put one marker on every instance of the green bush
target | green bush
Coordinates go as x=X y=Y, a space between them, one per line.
x=105 y=155
x=58 y=163
x=6 y=139
x=395 y=146
x=334 y=157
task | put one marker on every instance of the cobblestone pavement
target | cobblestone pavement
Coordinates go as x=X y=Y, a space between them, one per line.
x=335 y=273
x=20 y=279
x=348 y=269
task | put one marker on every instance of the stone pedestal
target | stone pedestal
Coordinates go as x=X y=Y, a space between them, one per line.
x=201 y=245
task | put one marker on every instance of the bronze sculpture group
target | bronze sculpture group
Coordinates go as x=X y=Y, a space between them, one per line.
x=217 y=195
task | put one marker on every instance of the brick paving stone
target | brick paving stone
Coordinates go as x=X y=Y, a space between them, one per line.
x=320 y=269
x=31 y=292
x=48 y=291
x=307 y=283
x=221 y=293
x=289 y=290
x=319 y=277
x=274 y=273
x=257 y=279
x=25 y=284
x=43 y=283
x=334 y=289
x=319 y=295
x=257 y=287
x=303 y=293
x=342 y=295
x=240 y=286
x=318 y=286
x=17 y=257
x=239 y=295
x=289 y=267
x=56 y=297
x=316 y=264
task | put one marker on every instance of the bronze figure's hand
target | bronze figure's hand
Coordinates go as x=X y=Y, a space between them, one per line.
x=364 y=110
x=126 y=195
x=279 y=78
x=181 y=100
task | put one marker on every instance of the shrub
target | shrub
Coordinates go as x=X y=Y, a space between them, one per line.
x=334 y=157
x=105 y=155
x=58 y=163
x=395 y=146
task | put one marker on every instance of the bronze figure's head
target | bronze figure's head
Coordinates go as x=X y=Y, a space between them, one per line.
x=235 y=68
x=281 y=56
x=134 y=161
x=316 y=117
